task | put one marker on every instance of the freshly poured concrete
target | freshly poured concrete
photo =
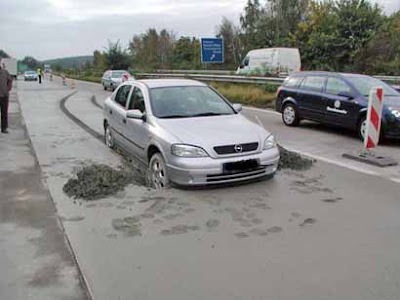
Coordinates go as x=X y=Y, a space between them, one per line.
x=328 y=233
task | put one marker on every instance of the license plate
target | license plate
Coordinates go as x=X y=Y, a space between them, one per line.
x=240 y=166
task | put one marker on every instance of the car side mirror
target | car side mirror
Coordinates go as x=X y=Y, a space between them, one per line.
x=237 y=107
x=346 y=94
x=135 y=114
x=241 y=66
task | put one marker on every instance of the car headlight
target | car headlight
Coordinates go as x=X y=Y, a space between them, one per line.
x=395 y=112
x=187 y=151
x=269 y=142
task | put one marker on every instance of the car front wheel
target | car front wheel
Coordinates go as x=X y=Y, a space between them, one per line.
x=290 y=115
x=158 y=172
x=362 y=128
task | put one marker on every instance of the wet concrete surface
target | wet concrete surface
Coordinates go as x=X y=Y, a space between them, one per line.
x=324 y=233
x=35 y=259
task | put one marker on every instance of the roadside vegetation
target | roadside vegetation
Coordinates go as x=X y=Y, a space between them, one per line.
x=247 y=94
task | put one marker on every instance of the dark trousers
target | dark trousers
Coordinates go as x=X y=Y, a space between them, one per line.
x=40 y=78
x=4 y=112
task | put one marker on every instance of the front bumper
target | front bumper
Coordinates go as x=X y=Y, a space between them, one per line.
x=209 y=171
x=391 y=128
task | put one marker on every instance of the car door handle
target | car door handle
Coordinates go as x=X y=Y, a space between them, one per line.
x=124 y=121
x=110 y=112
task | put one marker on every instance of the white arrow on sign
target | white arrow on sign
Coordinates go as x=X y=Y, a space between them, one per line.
x=212 y=57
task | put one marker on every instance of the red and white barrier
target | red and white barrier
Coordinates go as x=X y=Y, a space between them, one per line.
x=374 y=118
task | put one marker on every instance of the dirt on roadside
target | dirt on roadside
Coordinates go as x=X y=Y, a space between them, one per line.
x=293 y=161
x=99 y=181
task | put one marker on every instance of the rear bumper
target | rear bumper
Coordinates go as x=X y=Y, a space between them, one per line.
x=209 y=171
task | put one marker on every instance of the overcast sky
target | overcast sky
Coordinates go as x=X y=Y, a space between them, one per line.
x=57 y=28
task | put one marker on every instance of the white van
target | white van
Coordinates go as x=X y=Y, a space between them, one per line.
x=271 y=61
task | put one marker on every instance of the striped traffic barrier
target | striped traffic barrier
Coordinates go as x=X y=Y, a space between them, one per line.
x=374 y=118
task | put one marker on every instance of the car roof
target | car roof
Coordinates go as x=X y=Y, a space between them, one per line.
x=326 y=73
x=158 y=83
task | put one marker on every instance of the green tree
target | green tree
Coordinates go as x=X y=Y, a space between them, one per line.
x=382 y=53
x=251 y=23
x=31 y=62
x=232 y=46
x=99 y=62
x=184 y=53
x=358 y=21
x=334 y=34
x=116 y=57
x=3 y=54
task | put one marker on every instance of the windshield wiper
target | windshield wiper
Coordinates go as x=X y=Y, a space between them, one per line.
x=174 y=117
x=207 y=114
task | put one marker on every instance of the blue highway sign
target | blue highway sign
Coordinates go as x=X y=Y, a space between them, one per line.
x=212 y=50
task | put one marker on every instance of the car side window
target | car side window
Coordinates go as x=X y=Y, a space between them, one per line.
x=313 y=83
x=292 y=81
x=122 y=95
x=335 y=85
x=137 y=100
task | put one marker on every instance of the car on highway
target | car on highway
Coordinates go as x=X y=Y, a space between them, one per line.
x=337 y=99
x=113 y=78
x=187 y=133
x=30 y=76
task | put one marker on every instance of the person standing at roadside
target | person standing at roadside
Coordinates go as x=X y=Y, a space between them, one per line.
x=5 y=87
x=40 y=74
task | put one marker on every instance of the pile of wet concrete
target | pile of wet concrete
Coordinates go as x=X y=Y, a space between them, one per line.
x=99 y=181
x=293 y=161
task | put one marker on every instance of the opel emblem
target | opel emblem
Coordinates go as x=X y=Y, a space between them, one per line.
x=238 y=148
x=337 y=104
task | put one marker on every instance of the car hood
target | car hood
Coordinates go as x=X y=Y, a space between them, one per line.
x=392 y=101
x=208 y=132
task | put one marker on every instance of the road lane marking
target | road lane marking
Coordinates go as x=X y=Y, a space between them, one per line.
x=268 y=111
x=344 y=164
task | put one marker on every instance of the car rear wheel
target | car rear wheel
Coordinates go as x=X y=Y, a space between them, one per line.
x=290 y=116
x=104 y=87
x=158 y=172
x=112 y=88
x=108 y=137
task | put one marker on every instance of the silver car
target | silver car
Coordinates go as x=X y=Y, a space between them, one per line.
x=30 y=76
x=113 y=78
x=187 y=133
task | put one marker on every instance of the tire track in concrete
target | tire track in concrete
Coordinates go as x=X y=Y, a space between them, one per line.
x=77 y=121
x=95 y=103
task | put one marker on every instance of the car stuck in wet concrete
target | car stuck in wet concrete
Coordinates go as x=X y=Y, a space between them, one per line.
x=187 y=134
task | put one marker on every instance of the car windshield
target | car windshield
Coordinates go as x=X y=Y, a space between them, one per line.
x=188 y=102
x=30 y=73
x=365 y=83
x=117 y=74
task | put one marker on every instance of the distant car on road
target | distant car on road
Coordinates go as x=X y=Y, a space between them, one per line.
x=337 y=99
x=187 y=133
x=113 y=78
x=30 y=76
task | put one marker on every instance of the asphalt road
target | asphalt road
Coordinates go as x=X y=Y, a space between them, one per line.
x=327 y=233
